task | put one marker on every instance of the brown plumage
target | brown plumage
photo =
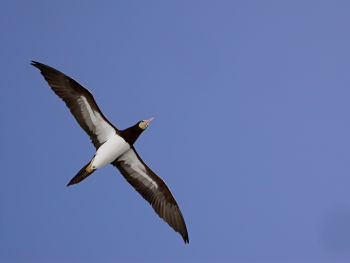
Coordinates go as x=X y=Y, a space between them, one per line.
x=70 y=92
x=82 y=105
x=160 y=197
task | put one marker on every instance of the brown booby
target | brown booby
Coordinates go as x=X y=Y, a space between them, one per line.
x=114 y=146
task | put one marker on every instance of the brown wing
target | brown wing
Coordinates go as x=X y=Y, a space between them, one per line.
x=153 y=189
x=80 y=102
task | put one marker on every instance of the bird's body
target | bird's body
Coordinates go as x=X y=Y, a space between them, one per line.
x=114 y=146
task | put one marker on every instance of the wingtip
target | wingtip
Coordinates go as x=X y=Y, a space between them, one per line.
x=186 y=239
x=35 y=63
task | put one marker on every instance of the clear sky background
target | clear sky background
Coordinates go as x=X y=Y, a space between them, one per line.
x=251 y=130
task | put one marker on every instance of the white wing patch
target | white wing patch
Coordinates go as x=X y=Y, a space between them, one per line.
x=95 y=121
x=130 y=159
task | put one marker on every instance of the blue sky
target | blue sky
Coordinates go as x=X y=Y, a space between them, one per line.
x=251 y=130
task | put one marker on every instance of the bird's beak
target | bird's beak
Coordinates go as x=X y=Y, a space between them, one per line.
x=149 y=120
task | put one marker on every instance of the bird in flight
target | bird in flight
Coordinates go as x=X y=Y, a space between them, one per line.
x=114 y=146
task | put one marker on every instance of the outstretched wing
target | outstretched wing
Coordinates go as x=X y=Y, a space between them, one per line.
x=153 y=189
x=81 y=104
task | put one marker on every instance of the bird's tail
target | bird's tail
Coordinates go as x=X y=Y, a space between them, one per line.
x=82 y=174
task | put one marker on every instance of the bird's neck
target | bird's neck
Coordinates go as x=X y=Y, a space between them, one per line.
x=131 y=134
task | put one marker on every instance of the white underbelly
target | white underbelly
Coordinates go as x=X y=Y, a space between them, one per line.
x=109 y=151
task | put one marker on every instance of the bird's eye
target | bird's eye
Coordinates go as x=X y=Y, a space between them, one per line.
x=143 y=125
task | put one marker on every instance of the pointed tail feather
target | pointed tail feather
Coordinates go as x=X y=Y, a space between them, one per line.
x=81 y=175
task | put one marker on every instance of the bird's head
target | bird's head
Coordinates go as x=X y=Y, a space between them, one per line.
x=132 y=133
x=144 y=124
